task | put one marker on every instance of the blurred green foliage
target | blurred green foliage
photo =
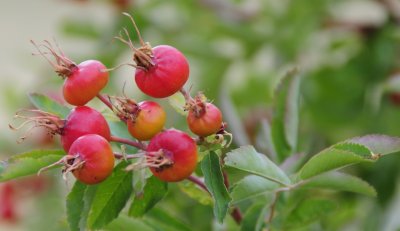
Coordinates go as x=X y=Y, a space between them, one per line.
x=238 y=51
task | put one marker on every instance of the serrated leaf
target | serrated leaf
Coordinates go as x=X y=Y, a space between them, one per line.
x=285 y=117
x=308 y=211
x=123 y=222
x=247 y=159
x=252 y=187
x=195 y=192
x=341 y=182
x=254 y=218
x=358 y=149
x=214 y=180
x=328 y=160
x=46 y=104
x=90 y=192
x=28 y=163
x=177 y=101
x=111 y=197
x=75 y=205
x=153 y=192
x=379 y=144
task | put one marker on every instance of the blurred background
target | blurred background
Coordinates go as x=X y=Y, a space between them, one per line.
x=347 y=51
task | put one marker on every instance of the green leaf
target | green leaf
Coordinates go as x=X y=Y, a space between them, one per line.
x=47 y=104
x=163 y=220
x=358 y=149
x=254 y=218
x=177 y=101
x=75 y=205
x=341 y=182
x=194 y=192
x=285 y=118
x=90 y=193
x=308 y=211
x=153 y=192
x=328 y=160
x=140 y=177
x=28 y=163
x=111 y=197
x=123 y=222
x=247 y=159
x=119 y=128
x=264 y=138
x=379 y=144
x=252 y=187
x=214 y=180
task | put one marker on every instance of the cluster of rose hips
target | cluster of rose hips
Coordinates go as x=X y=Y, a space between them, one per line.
x=161 y=71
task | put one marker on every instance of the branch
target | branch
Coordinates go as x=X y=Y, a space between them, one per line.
x=276 y=196
x=105 y=101
x=197 y=181
x=132 y=143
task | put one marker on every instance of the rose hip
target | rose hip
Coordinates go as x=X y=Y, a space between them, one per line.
x=172 y=155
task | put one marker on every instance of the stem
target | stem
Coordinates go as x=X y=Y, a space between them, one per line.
x=132 y=143
x=105 y=101
x=276 y=196
x=128 y=156
x=198 y=182
x=185 y=94
x=236 y=214
x=272 y=208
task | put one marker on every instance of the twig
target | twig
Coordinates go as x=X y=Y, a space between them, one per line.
x=132 y=143
x=128 y=156
x=236 y=214
x=198 y=182
x=105 y=101
x=276 y=196
x=186 y=94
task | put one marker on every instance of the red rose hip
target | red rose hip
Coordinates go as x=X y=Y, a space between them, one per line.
x=91 y=159
x=206 y=121
x=85 y=81
x=168 y=73
x=83 y=120
x=148 y=121
x=160 y=71
x=82 y=81
x=172 y=155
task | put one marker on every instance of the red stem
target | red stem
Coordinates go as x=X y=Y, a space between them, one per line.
x=128 y=156
x=136 y=144
x=236 y=214
x=198 y=182
x=185 y=94
x=105 y=101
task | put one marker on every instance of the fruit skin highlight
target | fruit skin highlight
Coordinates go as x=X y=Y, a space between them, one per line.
x=166 y=75
x=96 y=156
x=84 y=82
x=178 y=148
x=149 y=121
x=205 y=121
x=83 y=120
